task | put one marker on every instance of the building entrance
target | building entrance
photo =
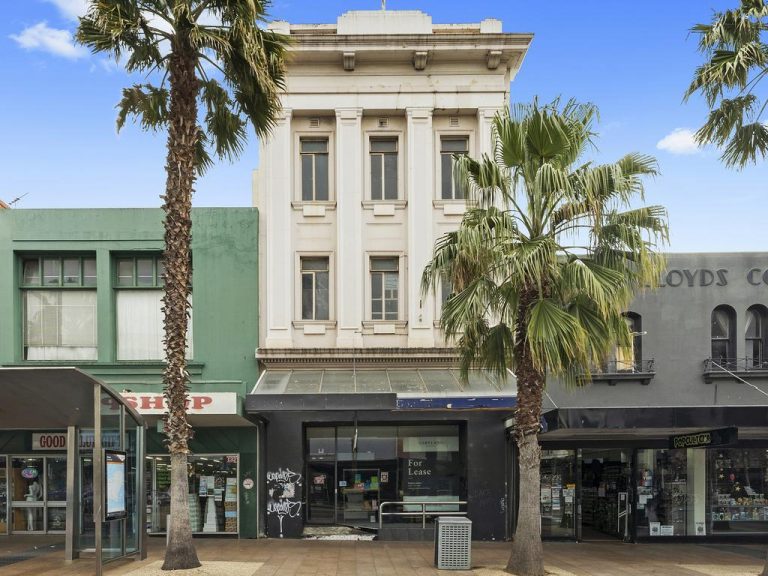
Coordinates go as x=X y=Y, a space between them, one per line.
x=605 y=497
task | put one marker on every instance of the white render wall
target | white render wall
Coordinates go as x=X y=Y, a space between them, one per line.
x=457 y=93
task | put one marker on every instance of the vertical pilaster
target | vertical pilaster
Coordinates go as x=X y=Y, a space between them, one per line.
x=106 y=312
x=420 y=192
x=349 y=195
x=277 y=197
x=485 y=130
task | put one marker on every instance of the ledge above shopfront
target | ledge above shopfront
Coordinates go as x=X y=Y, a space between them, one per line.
x=379 y=389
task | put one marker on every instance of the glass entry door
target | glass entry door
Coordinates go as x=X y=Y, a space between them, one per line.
x=605 y=496
x=321 y=493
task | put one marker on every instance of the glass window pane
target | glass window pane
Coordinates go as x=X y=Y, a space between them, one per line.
x=558 y=478
x=720 y=324
x=27 y=482
x=52 y=272
x=125 y=272
x=455 y=145
x=376 y=313
x=139 y=325
x=376 y=160
x=89 y=272
x=56 y=480
x=720 y=351
x=446 y=175
x=71 y=271
x=307 y=178
x=314 y=145
x=377 y=281
x=31 y=272
x=752 y=328
x=306 y=297
x=321 y=296
x=390 y=310
x=390 y=177
x=384 y=145
x=384 y=264
x=314 y=264
x=145 y=273
x=321 y=177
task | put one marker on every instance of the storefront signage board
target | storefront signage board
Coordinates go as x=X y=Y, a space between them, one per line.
x=220 y=403
x=54 y=441
x=717 y=437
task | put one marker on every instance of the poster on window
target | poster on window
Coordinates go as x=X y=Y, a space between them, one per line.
x=114 y=476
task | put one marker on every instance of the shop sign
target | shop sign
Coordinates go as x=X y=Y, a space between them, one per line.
x=718 y=437
x=431 y=444
x=48 y=441
x=197 y=403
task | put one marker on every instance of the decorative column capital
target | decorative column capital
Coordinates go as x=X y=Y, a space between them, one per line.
x=349 y=113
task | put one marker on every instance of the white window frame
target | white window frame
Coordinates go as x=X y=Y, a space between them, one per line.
x=384 y=135
x=402 y=287
x=298 y=320
x=439 y=135
x=297 y=176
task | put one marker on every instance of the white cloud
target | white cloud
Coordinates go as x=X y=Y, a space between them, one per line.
x=72 y=9
x=679 y=141
x=51 y=40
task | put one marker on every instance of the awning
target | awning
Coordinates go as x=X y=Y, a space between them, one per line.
x=380 y=389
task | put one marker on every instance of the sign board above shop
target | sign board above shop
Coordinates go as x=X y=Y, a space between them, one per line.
x=54 y=441
x=219 y=403
x=706 y=438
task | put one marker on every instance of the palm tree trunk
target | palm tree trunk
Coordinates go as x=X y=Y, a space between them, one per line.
x=180 y=168
x=527 y=556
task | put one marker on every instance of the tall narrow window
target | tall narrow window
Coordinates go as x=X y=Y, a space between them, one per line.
x=724 y=337
x=314 y=289
x=140 y=332
x=754 y=336
x=383 y=168
x=450 y=146
x=59 y=307
x=630 y=360
x=385 y=284
x=314 y=169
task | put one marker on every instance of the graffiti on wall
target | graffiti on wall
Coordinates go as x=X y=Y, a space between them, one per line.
x=283 y=499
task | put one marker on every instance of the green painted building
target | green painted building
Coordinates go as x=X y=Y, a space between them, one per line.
x=83 y=288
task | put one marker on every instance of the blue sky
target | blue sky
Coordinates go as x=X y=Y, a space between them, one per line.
x=633 y=59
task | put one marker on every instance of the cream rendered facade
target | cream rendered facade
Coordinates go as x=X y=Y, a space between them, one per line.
x=373 y=75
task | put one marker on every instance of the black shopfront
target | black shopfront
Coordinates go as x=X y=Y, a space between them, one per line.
x=614 y=474
x=335 y=458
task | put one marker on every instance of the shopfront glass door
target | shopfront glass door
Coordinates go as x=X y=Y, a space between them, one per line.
x=558 y=493
x=605 y=494
x=321 y=493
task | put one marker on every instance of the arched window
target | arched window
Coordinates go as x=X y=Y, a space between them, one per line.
x=754 y=335
x=631 y=360
x=724 y=336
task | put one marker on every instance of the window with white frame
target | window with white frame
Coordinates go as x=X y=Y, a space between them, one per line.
x=59 y=299
x=314 y=169
x=451 y=146
x=139 y=303
x=315 y=288
x=383 y=159
x=385 y=288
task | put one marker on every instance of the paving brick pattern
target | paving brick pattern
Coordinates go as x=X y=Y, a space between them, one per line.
x=328 y=558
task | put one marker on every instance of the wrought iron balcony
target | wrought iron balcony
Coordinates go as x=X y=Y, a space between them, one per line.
x=613 y=371
x=727 y=368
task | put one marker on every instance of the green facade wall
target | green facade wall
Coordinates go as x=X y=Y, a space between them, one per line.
x=225 y=306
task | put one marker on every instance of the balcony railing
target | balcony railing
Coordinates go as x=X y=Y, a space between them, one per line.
x=613 y=371
x=724 y=368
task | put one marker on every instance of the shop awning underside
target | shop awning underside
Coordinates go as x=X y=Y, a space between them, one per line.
x=49 y=398
x=381 y=389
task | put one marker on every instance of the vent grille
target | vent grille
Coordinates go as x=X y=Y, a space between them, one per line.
x=383 y=122
x=314 y=122
x=453 y=122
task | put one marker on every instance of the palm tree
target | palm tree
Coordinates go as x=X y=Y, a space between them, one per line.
x=736 y=62
x=180 y=41
x=542 y=268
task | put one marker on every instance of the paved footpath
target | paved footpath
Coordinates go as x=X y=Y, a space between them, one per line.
x=325 y=558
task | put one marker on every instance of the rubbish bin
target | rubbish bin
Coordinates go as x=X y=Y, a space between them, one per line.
x=453 y=543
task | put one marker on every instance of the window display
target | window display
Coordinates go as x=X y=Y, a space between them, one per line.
x=558 y=493
x=737 y=487
x=212 y=496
